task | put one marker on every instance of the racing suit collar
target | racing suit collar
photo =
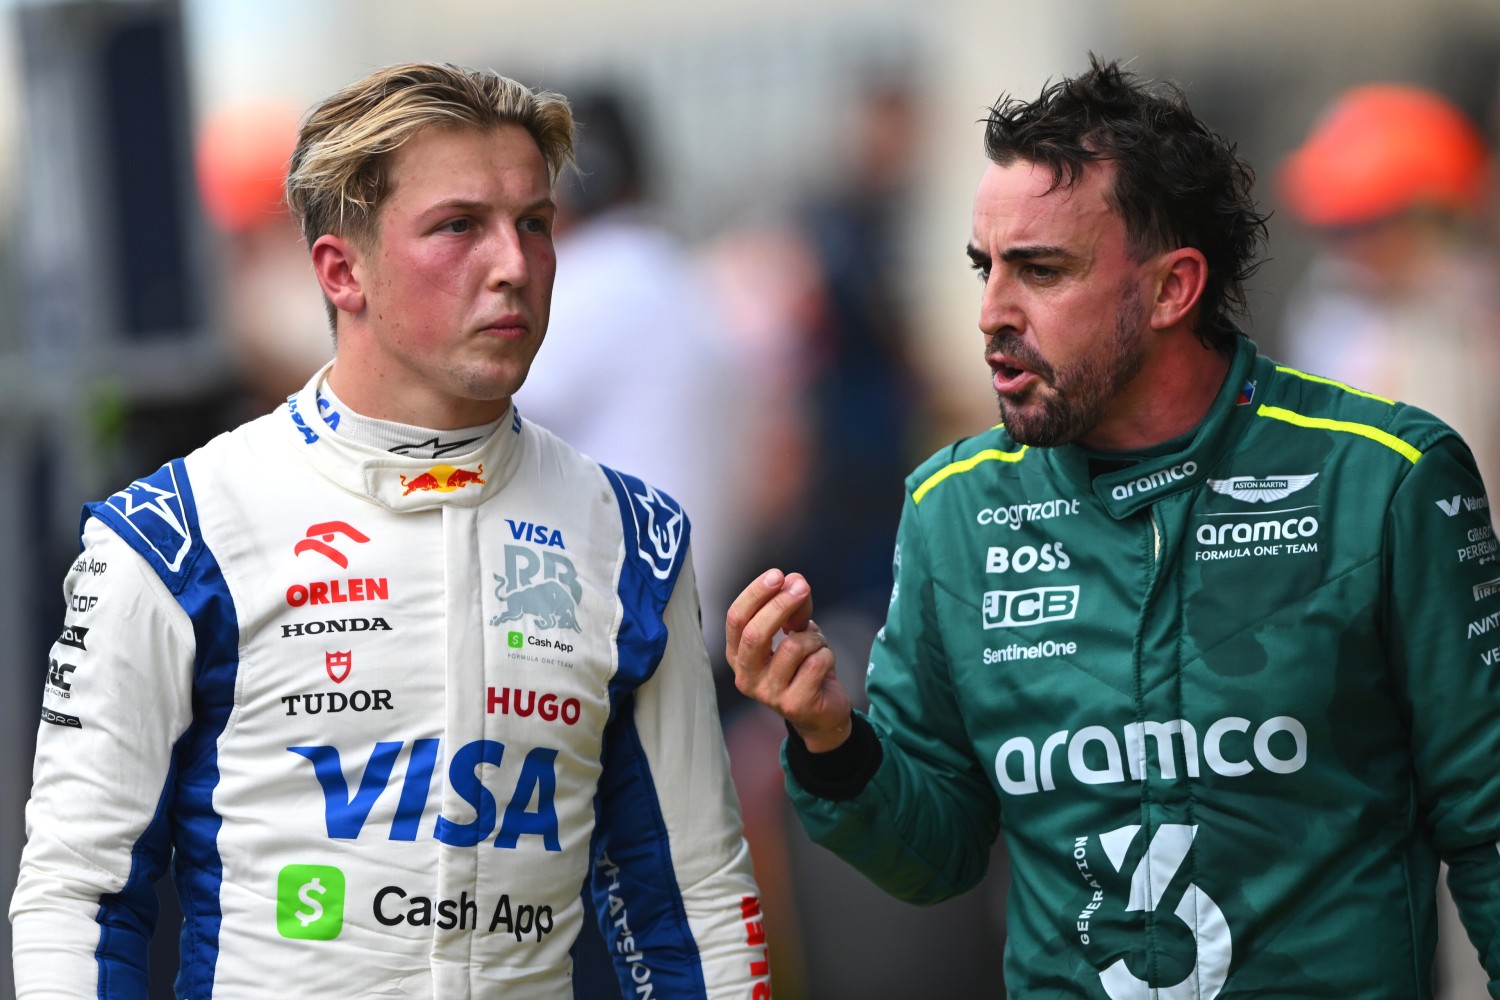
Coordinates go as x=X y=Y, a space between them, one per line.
x=402 y=482
x=1153 y=477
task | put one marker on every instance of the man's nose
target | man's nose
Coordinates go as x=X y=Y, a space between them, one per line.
x=508 y=263
x=998 y=307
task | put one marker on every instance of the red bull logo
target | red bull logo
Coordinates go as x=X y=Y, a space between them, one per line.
x=443 y=479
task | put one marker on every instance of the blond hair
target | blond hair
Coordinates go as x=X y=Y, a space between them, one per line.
x=339 y=172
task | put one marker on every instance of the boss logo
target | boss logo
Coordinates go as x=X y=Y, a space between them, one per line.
x=1026 y=558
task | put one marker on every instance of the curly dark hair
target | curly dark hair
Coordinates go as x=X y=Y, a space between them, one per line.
x=1178 y=183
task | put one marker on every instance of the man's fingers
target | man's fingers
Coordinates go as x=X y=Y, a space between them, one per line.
x=749 y=603
x=773 y=603
x=803 y=693
x=785 y=668
x=799 y=590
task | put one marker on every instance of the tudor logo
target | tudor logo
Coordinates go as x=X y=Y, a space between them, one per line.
x=338 y=663
x=1255 y=489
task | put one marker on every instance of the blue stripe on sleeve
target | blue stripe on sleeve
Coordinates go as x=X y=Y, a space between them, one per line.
x=656 y=538
x=636 y=897
x=158 y=517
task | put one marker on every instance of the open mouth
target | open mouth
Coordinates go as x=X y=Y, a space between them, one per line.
x=1010 y=377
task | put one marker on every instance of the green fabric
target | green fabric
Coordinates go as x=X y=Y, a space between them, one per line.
x=1226 y=736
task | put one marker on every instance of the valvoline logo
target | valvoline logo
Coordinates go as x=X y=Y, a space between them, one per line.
x=443 y=479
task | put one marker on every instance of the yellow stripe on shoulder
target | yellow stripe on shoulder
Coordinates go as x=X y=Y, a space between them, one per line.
x=956 y=468
x=1392 y=442
x=1339 y=385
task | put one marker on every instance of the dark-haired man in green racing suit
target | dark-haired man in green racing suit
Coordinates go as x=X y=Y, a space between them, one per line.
x=1216 y=643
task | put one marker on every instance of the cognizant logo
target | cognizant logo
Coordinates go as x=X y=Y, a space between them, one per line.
x=1096 y=755
x=1017 y=514
x=1155 y=480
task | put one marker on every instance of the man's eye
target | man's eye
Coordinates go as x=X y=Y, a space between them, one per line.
x=535 y=224
x=982 y=270
x=458 y=225
x=1041 y=271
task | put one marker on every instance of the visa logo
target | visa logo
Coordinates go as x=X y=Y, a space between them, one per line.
x=346 y=813
x=525 y=531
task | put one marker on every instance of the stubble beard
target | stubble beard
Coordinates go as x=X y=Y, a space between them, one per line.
x=1075 y=398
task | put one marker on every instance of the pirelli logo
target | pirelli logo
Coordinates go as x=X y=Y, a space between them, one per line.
x=1486 y=589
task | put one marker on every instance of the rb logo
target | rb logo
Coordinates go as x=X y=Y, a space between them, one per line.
x=310 y=902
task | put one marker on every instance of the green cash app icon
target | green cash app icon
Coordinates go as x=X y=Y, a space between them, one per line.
x=310 y=902
x=516 y=640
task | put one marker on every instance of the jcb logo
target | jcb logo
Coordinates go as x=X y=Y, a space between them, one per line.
x=1021 y=608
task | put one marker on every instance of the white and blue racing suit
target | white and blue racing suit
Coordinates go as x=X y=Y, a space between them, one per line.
x=385 y=717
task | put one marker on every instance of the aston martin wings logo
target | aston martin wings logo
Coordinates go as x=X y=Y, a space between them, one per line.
x=1254 y=489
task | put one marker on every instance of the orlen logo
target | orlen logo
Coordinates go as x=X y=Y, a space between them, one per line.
x=339 y=591
x=443 y=479
x=1154 y=481
x=319 y=537
x=1023 y=608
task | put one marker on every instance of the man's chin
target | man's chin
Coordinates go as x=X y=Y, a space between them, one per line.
x=1036 y=427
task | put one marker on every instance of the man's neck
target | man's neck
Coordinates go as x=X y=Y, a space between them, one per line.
x=1168 y=398
x=398 y=438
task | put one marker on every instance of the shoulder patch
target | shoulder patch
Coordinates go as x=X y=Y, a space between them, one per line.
x=656 y=529
x=156 y=515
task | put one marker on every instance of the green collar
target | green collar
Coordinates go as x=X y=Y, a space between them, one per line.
x=1154 y=476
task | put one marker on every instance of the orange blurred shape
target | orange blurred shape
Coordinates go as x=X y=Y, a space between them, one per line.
x=241 y=161
x=1382 y=149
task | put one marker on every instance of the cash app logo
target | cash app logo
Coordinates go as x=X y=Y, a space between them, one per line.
x=310 y=902
x=516 y=640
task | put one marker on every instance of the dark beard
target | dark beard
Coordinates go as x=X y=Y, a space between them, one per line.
x=1081 y=393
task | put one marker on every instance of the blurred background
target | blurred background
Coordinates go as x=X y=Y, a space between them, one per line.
x=796 y=178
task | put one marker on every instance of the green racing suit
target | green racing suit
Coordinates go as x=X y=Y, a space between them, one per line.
x=1229 y=701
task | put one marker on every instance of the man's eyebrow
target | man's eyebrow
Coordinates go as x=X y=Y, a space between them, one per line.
x=472 y=205
x=975 y=254
x=1036 y=251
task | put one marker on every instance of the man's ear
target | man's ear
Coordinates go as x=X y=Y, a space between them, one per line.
x=1180 y=277
x=335 y=262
